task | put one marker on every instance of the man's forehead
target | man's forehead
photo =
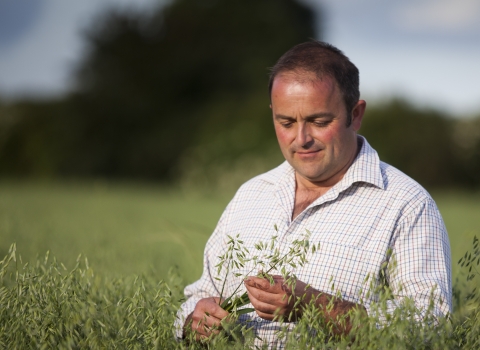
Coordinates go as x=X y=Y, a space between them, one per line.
x=304 y=77
x=301 y=78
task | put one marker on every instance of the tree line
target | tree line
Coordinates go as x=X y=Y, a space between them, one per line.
x=180 y=95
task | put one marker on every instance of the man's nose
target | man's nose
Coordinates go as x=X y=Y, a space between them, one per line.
x=304 y=137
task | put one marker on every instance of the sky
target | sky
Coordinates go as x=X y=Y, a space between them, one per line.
x=427 y=51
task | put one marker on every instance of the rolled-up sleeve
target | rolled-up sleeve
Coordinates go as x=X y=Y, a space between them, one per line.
x=420 y=265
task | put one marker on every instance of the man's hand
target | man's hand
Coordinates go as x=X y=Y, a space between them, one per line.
x=277 y=300
x=205 y=319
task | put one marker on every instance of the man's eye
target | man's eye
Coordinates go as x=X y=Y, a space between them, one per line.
x=321 y=124
x=286 y=125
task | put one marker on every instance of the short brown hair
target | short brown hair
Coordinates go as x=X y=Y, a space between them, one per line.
x=322 y=59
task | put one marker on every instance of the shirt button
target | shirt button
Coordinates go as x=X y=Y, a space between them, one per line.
x=259 y=319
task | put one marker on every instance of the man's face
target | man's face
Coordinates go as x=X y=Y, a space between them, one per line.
x=310 y=121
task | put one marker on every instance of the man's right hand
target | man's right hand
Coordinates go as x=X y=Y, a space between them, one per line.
x=205 y=319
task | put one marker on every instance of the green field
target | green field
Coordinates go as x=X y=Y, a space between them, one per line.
x=121 y=229
x=130 y=230
x=126 y=229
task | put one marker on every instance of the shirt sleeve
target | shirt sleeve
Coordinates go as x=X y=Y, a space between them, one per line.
x=205 y=287
x=420 y=264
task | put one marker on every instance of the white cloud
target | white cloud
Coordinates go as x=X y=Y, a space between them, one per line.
x=438 y=15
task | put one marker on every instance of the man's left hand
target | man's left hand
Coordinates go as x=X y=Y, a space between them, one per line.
x=275 y=301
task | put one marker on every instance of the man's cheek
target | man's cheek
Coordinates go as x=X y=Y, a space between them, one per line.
x=325 y=136
x=283 y=138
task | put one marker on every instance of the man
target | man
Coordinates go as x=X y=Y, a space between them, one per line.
x=332 y=184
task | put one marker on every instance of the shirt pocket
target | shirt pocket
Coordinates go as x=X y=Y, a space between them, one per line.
x=338 y=270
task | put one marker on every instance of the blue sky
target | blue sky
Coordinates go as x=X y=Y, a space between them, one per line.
x=425 y=50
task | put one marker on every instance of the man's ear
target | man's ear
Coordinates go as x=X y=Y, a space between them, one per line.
x=270 y=106
x=357 y=114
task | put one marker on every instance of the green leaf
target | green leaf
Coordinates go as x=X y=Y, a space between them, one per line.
x=245 y=311
x=225 y=303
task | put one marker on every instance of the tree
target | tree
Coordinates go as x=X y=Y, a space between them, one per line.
x=417 y=141
x=157 y=87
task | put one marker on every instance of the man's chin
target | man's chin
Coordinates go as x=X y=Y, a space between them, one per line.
x=311 y=176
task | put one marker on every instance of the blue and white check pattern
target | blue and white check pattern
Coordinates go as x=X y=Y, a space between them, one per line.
x=373 y=208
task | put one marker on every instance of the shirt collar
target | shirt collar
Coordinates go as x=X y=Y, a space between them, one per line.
x=365 y=168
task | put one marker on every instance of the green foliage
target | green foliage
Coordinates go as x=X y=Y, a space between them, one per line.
x=428 y=145
x=470 y=327
x=401 y=332
x=46 y=306
x=122 y=228
x=35 y=138
x=418 y=142
x=180 y=95
x=126 y=230
x=162 y=93
x=466 y=137
x=268 y=259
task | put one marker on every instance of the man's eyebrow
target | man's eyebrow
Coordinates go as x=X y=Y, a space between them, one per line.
x=281 y=116
x=325 y=115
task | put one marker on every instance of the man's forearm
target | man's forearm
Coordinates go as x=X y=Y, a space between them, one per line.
x=336 y=310
x=282 y=300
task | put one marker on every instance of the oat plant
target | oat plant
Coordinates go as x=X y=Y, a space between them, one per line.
x=269 y=257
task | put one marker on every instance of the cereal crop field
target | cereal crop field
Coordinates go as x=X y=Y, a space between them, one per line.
x=120 y=294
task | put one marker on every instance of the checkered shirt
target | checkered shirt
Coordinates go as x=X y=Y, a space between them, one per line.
x=373 y=209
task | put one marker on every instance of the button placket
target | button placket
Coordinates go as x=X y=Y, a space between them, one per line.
x=293 y=229
x=283 y=226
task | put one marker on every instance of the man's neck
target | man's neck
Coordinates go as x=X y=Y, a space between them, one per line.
x=307 y=192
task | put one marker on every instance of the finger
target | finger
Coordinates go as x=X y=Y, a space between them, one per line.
x=217 y=300
x=206 y=325
x=202 y=318
x=267 y=312
x=201 y=337
x=263 y=307
x=207 y=320
x=277 y=277
x=265 y=316
x=267 y=296
x=198 y=329
x=256 y=282
x=216 y=310
x=211 y=307
x=262 y=284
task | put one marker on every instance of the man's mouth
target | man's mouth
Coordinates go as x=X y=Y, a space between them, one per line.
x=307 y=154
x=307 y=151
